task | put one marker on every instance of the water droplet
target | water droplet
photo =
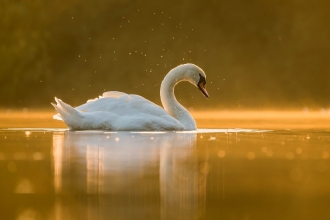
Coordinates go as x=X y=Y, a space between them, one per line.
x=38 y=156
x=24 y=186
x=269 y=153
x=12 y=167
x=212 y=138
x=221 y=153
x=289 y=155
x=251 y=155
x=325 y=155
x=298 y=150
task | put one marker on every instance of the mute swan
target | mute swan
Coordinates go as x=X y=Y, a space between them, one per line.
x=119 y=111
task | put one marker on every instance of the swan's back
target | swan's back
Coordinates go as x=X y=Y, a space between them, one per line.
x=124 y=105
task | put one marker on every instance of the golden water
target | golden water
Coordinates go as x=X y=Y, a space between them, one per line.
x=248 y=165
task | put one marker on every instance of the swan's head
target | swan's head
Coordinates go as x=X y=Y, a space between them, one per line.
x=196 y=76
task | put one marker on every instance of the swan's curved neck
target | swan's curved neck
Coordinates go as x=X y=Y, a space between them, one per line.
x=170 y=104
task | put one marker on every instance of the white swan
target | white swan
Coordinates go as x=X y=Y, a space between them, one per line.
x=119 y=111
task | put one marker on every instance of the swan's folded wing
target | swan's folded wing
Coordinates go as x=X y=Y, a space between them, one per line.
x=113 y=94
x=122 y=104
x=110 y=94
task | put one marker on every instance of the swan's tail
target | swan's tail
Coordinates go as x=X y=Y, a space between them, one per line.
x=66 y=113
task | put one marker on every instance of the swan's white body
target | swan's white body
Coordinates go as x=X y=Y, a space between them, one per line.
x=119 y=111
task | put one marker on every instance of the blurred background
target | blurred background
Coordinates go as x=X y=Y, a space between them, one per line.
x=257 y=54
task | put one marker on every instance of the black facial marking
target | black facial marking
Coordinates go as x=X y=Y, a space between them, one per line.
x=201 y=85
x=201 y=79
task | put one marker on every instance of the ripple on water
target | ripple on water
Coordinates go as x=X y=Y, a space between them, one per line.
x=203 y=130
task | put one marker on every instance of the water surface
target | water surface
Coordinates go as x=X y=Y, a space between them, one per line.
x=224 y=173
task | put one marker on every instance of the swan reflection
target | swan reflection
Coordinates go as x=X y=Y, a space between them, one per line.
x=182 y=179
x=141 y=171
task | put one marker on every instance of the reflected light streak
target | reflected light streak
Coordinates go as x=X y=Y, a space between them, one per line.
x=58 y=159
x=235 y=130
x=101 y=170
x=57 y=166
x=95 y=168
x=91 y=166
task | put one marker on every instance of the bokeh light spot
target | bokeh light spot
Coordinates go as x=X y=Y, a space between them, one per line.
x=251 y=155
x=221 y=153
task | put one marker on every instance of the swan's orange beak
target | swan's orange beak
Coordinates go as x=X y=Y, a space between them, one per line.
x=201 y=87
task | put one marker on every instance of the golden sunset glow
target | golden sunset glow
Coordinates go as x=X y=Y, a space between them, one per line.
x=164 y=110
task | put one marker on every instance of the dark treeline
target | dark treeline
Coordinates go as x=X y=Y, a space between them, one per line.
x=256 y=54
